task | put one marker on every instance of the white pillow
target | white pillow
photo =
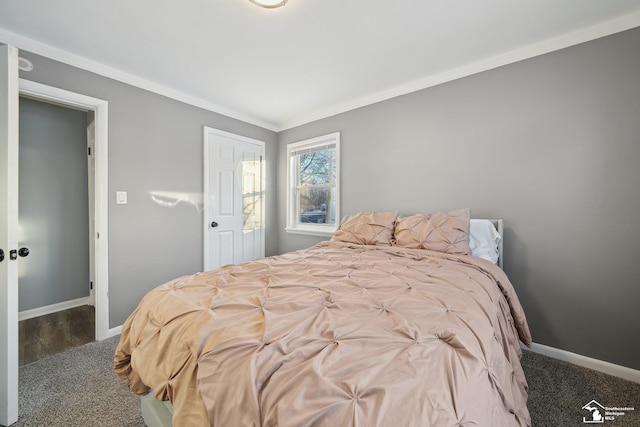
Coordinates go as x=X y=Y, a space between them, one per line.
x=484 y=240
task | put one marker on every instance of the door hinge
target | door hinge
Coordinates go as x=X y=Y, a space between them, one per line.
x=88 y=151
x=91 y=285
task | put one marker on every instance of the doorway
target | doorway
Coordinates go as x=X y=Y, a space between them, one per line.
x=11 y=87
x=54 y=210
x=97 y=173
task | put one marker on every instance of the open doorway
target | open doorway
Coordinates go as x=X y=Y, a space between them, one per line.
x=95 y=113
x=56 y=304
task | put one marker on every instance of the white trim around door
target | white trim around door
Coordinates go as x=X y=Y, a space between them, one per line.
x=100 y=191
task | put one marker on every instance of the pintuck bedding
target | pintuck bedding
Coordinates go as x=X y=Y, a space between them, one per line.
x=339 y=334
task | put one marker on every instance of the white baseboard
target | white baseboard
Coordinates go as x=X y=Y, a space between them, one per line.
x=48 y=309
x=588 y=362
x=114 y=331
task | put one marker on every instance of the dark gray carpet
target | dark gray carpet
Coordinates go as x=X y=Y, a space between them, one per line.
x=78 y=388
x=558 y=390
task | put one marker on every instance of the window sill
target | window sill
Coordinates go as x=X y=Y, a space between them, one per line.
x=311 y=232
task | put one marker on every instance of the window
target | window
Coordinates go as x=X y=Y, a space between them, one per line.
x=313 y=199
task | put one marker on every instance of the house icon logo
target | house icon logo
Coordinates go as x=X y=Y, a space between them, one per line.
x=596 y=412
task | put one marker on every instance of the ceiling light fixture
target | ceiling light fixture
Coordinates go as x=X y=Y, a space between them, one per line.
x=269 y=4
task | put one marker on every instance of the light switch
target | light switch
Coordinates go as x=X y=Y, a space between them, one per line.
x=121 y=197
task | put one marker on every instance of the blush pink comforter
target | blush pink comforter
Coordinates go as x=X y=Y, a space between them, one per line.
x=334 y=335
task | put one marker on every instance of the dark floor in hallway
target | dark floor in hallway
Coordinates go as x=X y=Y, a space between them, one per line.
x=56 y=332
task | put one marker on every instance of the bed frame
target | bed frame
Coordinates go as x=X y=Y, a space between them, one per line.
x=157 y=413
x=499 y=225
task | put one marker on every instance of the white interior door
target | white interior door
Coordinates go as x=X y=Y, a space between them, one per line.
x=9 y=92
x=234 y=199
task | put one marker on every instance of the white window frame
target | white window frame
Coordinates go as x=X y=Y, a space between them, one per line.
x=293 y=226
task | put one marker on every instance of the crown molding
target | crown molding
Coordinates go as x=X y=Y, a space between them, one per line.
x=597 y=31
x=51 y=52
x=593 y=32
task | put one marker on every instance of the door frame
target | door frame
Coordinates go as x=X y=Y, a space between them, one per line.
x=100 y=240
x=207 y=191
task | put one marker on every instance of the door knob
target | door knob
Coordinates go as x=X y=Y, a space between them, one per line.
x=214 y=224
x=23 y=252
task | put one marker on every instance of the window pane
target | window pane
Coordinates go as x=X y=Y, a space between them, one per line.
x=317 y=167
x=252 y=194
x=313 y=193
x=317 y=205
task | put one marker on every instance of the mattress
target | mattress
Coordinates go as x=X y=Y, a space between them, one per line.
x=336 y=334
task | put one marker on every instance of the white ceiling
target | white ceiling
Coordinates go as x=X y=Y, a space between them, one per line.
x=279 y=68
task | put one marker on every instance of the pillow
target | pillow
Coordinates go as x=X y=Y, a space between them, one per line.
x=440 y=231
x=369 y=228
x=484 y=240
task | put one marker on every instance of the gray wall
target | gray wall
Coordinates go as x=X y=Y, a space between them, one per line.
x=550 y=144
x=54 y=206
x=155 y=144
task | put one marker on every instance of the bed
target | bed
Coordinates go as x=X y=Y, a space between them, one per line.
x=394 y=321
